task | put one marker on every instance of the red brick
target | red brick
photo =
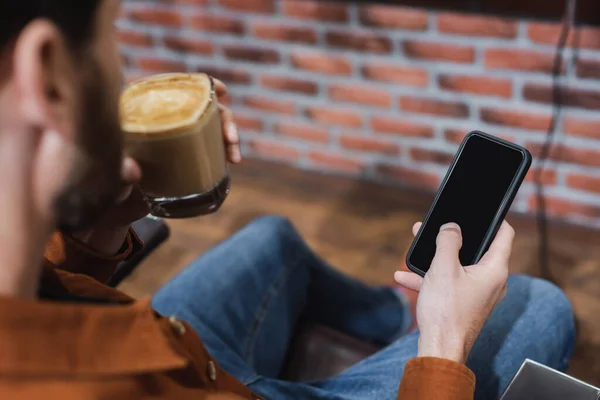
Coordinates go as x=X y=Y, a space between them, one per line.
x=573 y=155
x=557 y=207
x=187 y=2
x=159 y=65
x=189 y=45
x=582 y=98
x=476 y=25
x=548 y=177
x=217 y=23
x=271 y=105
x=456 y=136
x=256 y=6
x=336 y=162
x=252 y=54
x=588 y=69
x=434 y=107
x=133 y=38
x=409 y=177
x=156 y=16
x=589 y=38
x=360 y=41
x=540 y=93
x=394 y=17
x=549 y=33
x=482 y=85
x=383 y=124
x=321 y=62
x=360 y=95
x=439 y=51
x=227 y=75
x=369 y=144
x=315 y=10
x=584 y=182
x=524 y=60
x=582 y=127
x=284 y=33
x=272 y=150
x=302 y=131
x=286 y=84
x=517 y=119
x=246 y=123
x=425 y=155
x=335 y=116
x=577 y=156
x=410 y=76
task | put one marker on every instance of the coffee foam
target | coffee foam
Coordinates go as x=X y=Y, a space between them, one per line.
x=164 y=103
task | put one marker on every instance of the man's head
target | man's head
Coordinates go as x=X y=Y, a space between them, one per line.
x=59 y=85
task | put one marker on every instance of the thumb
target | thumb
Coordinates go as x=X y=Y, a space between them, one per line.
x=448 y=244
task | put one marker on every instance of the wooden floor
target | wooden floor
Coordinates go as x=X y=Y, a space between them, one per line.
x=363 y=229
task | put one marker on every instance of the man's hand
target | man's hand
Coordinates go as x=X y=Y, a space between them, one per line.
x=108 y=236
x=455 y=302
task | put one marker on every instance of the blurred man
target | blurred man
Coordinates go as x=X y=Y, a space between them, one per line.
x=65 y=335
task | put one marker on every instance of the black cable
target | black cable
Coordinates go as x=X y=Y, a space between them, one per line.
x=557 y=102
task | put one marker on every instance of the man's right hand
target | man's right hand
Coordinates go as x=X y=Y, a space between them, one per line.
x=455 y=301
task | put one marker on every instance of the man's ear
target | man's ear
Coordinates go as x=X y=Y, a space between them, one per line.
x=44 y=78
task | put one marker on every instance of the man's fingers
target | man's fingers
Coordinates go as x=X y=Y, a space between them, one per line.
x=234 y=153
x=230 y=131
x=220 y=88
x=501 y=247
x=448 y=244
x=231 y=135
x=124 y=194
x=416 y=227
x=131 y=172
x=409 y=280
x=226 y=114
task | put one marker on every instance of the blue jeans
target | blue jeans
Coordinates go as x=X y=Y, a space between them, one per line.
x=245 y=296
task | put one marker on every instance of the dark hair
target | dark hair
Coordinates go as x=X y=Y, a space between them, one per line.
x=74 y=18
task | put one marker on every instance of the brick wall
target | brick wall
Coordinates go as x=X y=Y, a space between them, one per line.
x=383 y=92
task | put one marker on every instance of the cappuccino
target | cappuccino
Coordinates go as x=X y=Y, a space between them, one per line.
x=172 y=127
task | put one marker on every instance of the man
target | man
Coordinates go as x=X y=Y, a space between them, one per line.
x=65 y=335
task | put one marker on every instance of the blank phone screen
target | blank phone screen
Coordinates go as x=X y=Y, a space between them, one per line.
x=472 y=197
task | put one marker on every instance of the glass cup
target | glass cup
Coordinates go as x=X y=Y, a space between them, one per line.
x=172 y=128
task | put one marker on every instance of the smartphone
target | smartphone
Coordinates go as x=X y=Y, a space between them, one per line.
x=476 y=193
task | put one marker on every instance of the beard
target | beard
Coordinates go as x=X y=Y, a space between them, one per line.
x=95 y=180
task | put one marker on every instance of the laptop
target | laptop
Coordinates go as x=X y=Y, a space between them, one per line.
x=535 y=381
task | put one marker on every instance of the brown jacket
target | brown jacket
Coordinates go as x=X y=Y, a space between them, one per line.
x=124 y=350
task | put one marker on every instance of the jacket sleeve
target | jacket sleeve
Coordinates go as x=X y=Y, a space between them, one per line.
x=428 y=378
x=66 y=253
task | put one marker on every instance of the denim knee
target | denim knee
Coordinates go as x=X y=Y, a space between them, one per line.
x=552 y=304
x=270 y=224
x=271 y=230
